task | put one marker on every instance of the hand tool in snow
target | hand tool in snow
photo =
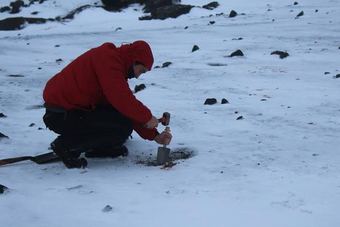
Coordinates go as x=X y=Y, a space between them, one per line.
x=39 y=159
x=163 y=152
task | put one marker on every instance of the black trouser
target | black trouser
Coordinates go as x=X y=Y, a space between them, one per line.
x=102 y=128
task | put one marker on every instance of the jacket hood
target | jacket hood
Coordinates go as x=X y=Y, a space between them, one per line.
x=138 y=51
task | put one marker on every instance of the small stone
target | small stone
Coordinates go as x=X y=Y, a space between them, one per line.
x=224 y=101
x=337 y=76
x=59 y=60
x=166 y=64
x=39 y=68
x=300 y=14
x=2 y=115
x=236 y=112
x=15 y=75
x=233 y=13
x=195 y=48
x=31 y=125
x=3 y=189
x=118 y=29
x=240 y=118
x=315 y=154
x=139 y=87
x=210 y=101
x=296 y=3
x=211 y=5
x=107 y=208
x=282 y=54
x=326 y=73
x=211 y=22
x=3 y=136
x=236 y=53
x=57 y=45
x=34 y=13
x=316 y=10
x=186 y=27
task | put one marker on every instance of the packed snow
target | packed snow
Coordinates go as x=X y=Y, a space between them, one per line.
x=276 y=166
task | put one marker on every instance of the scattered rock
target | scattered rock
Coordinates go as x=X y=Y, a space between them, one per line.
x=224 y=101
x=166 y=64
x=212 y=22
x=240 y=118
x=15 y=75
x=107 y=208
x=233 y=13
x=211 y=5
x=194 y=48
x=5 y=9
x=171 y=11
x=3 y=189
x=17 y=23
x=3 y=136
x=316 y=10
x=217 y=64
x=236 y=53
x=57 y=45
x=210 y=101
x=16 y=5
x=71 y=14
x=240 y=38
x=337 y=76
x=326 y=73
x=59 y=60
x=31 y=125
x=296 y=3
x=2 y=115
x=300 y=14
x=139 y=87
x=34 y=13
x=152 y=5
x=282 y=54
x=186 y=27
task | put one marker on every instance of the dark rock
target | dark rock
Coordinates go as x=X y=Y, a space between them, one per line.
x=316 y=10
x=216 y=64
x=139 y=87
x=117 y=5
x=186 y=27
x=15 y=75
x=236 y=53
x=195 y=48
x=212 y=22
x=152 y=5
x=282 y=54
x=2 y=115
x=300 y=14
x=39 y=68
x=337 y=76
x=71 y=14
x=5 y=9
x=224 y=101
x=57 y=45
x=166 y=64
x=211 y=5
x=171 y=11
x=3 y=188
x=107 y=208
x=3 y=135
x=31 y=125
x=240 y=118
x=210 y=101
x=326 y=73
x=16 y=5
x=237 y=38
x=233 y=13
x=17 y=23
x=59 y=60
x=296 y=3
x=34 y=13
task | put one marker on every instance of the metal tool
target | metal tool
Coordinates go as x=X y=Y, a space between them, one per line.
x=39 y=159
x=163 y=152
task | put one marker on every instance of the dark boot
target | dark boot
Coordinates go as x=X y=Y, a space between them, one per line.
x=69 y=157
x=113 y=152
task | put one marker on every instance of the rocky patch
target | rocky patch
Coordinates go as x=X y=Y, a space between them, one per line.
x=210 y=101
x=237 y=53
x=195 y=48
x=139 y=88
x=233 y=13
x=211 y=5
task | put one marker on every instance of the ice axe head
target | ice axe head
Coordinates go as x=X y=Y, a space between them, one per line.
x=165 y=120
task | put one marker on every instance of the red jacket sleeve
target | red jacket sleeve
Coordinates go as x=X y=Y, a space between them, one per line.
x=145 y=133
x=109 y=69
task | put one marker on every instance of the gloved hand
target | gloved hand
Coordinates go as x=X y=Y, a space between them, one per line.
x=164 y=138
x=152 y=123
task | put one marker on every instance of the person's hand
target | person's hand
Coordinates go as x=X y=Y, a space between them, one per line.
x=152 y=123
x=164 y=138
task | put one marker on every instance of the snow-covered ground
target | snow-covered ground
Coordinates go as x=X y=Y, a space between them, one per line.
x=278 y=166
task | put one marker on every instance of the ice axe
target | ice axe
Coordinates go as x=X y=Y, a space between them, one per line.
x=163 y=152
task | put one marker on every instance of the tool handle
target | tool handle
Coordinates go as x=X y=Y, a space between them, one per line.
x=14 y=160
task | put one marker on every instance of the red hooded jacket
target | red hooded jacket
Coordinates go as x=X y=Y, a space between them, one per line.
x=99 y=77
